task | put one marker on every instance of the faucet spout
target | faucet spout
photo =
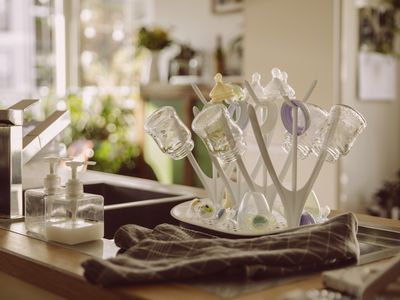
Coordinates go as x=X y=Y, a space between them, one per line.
x=44 y=133
x=17 y=150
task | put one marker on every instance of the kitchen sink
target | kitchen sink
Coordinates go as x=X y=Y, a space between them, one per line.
x=128 y=205
x=114 y=194
x=148 y=208
x=377 y=242
x=141 y=213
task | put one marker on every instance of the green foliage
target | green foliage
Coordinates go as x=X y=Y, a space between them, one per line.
x=153 y=39
x=109 y=127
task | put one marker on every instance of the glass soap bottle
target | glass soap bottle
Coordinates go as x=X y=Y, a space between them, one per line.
x=35 y=199
x=75 y=217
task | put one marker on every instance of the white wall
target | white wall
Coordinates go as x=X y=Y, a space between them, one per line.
x=193 y=22
x=376 y=156
x=300 y=37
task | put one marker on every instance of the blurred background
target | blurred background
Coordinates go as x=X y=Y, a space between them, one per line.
x=111 y=63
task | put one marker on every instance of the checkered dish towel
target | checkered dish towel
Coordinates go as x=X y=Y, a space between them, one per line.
x=169 y=252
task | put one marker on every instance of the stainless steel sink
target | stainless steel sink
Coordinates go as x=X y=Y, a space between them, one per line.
x=115 y=194
x=128 y=205
x=148 y=208
x=377 y=242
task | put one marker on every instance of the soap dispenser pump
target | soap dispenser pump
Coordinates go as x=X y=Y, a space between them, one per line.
x=36 y=199
x=75 y=217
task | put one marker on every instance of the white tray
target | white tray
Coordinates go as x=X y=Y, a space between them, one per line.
x=182 y=212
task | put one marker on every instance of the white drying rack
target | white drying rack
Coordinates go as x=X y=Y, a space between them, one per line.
x=294 y=199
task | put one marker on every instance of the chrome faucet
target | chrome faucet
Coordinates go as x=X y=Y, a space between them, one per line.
x=16 y=150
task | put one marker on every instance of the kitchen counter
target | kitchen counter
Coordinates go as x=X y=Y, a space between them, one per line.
x=57 y=269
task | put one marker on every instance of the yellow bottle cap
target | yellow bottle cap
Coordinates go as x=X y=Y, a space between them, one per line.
x=220 y=91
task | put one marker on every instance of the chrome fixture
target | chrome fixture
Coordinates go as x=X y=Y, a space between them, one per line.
x=16 y=150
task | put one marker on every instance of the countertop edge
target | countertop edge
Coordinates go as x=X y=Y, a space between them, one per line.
x=58 y=270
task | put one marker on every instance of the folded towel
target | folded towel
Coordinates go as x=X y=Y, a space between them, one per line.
x=169 y=252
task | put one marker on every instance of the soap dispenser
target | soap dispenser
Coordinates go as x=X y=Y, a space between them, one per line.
x=35 y=199
x=75 y=217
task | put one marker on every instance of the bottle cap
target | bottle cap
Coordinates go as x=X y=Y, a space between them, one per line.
x=220 y=91
x=52 y=181
x=74 y=187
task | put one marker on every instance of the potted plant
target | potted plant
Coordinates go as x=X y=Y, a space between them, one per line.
x=386 y=200
x=154 y=40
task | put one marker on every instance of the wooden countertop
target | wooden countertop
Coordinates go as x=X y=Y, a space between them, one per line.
x=58 y=270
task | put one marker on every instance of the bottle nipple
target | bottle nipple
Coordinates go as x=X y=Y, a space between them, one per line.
x=220 y=91
x=256 y=85
x=275 y=72
x=286 y=87
x=272 y=90
x=284 y=76
x=255 y=78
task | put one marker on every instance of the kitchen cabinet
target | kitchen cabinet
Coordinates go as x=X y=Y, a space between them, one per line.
x=14 y=288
